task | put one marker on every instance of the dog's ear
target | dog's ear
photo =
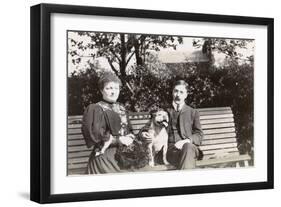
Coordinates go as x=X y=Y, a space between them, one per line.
x=153 y=113
x=153 y=109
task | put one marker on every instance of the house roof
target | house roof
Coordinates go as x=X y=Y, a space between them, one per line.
x=182 y=56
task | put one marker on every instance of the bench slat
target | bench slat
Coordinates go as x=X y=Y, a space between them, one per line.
x=233 y=157
x=77 y=142
x=74 y=131
x=214 y=156
x=77 y=148
x=219 y=116
x=145 y=113
x=216 y=121
x=218 y=136
x=218 y=146
x=79 y=154
x=218 y=131
x=221 y=161
x=78 y=165
x=138 y=113
x=220 y=151
x=208 y=130
x=75 y=172
x=75 y=117
x=139 y=116
x=225 y=144
x=227 y=118
x=84 y=160
x=74 y=136
x=216 y=116
x=78 y=160
x=203 y=122
x=80 y=169
x=204 y=113
x=74 y=122
x=220 y=125
x=76 y=153
x=214 y=109
x=137 y=127
x=140 y=123
x=74 y=126
x=219 y=141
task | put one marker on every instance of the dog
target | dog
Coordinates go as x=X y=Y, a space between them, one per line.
x=104 y=147
x=107 y=143
x=128 y=157
x=159 y=136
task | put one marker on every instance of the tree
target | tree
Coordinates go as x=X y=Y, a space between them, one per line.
x=119 y=49
x=231 y=48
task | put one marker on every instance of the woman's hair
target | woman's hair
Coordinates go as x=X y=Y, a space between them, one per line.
x=106 y=78
x=181 y=82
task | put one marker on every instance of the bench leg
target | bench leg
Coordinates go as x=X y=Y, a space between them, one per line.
x=237 y=165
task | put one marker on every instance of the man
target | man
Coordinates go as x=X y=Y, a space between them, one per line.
x=185 y=133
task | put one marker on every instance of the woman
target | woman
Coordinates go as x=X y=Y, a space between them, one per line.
x=105 y=126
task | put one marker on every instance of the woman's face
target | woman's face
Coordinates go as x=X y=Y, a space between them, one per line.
x=111 y=92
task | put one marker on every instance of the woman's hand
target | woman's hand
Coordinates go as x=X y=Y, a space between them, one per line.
x=179 y=144
x=147 y=137
x=127 y=140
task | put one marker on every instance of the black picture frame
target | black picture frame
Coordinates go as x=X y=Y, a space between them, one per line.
x=41 y=102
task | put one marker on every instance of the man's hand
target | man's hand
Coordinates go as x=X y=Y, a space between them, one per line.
x=147 y=137
x=180 y=143
x=127 y=140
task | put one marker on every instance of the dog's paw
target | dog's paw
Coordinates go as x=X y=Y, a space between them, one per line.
x=98 y=154
x=151 y=164
x=166 y=162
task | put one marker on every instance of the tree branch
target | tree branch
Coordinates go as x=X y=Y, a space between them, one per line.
x=112 y=66
x=111 y=50
x=116 y=72
x=130 y=58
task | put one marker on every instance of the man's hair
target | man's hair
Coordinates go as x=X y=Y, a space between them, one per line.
x=106 y=78
x=181 y=82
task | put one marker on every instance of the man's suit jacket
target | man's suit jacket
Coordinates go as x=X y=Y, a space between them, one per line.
x=189 y=125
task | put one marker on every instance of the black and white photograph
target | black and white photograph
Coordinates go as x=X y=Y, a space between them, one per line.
x=143 y=103
x=133 y=103
x=140 y=103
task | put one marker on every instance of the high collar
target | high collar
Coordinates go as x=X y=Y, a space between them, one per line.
x=175 y=106
x=184 y=107
x=107 y=102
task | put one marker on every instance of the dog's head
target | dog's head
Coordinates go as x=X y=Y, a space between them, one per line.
x=160 y=118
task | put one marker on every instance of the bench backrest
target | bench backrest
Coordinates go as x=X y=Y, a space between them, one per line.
x=217 y=124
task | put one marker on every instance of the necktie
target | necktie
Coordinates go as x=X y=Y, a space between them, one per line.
x=178 y=107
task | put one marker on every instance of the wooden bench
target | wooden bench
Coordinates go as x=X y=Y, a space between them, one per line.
x=219 y=145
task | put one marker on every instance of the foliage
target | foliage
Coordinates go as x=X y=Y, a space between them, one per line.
x=151 y=81
x=229 y=47
x=225 y=86
x=118 y=49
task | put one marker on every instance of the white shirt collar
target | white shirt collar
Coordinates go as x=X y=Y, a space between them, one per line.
x=176 y=105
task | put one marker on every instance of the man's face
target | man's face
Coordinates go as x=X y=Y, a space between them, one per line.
x=179 y=94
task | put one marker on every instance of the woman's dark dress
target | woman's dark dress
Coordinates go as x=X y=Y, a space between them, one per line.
x=101 y=120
